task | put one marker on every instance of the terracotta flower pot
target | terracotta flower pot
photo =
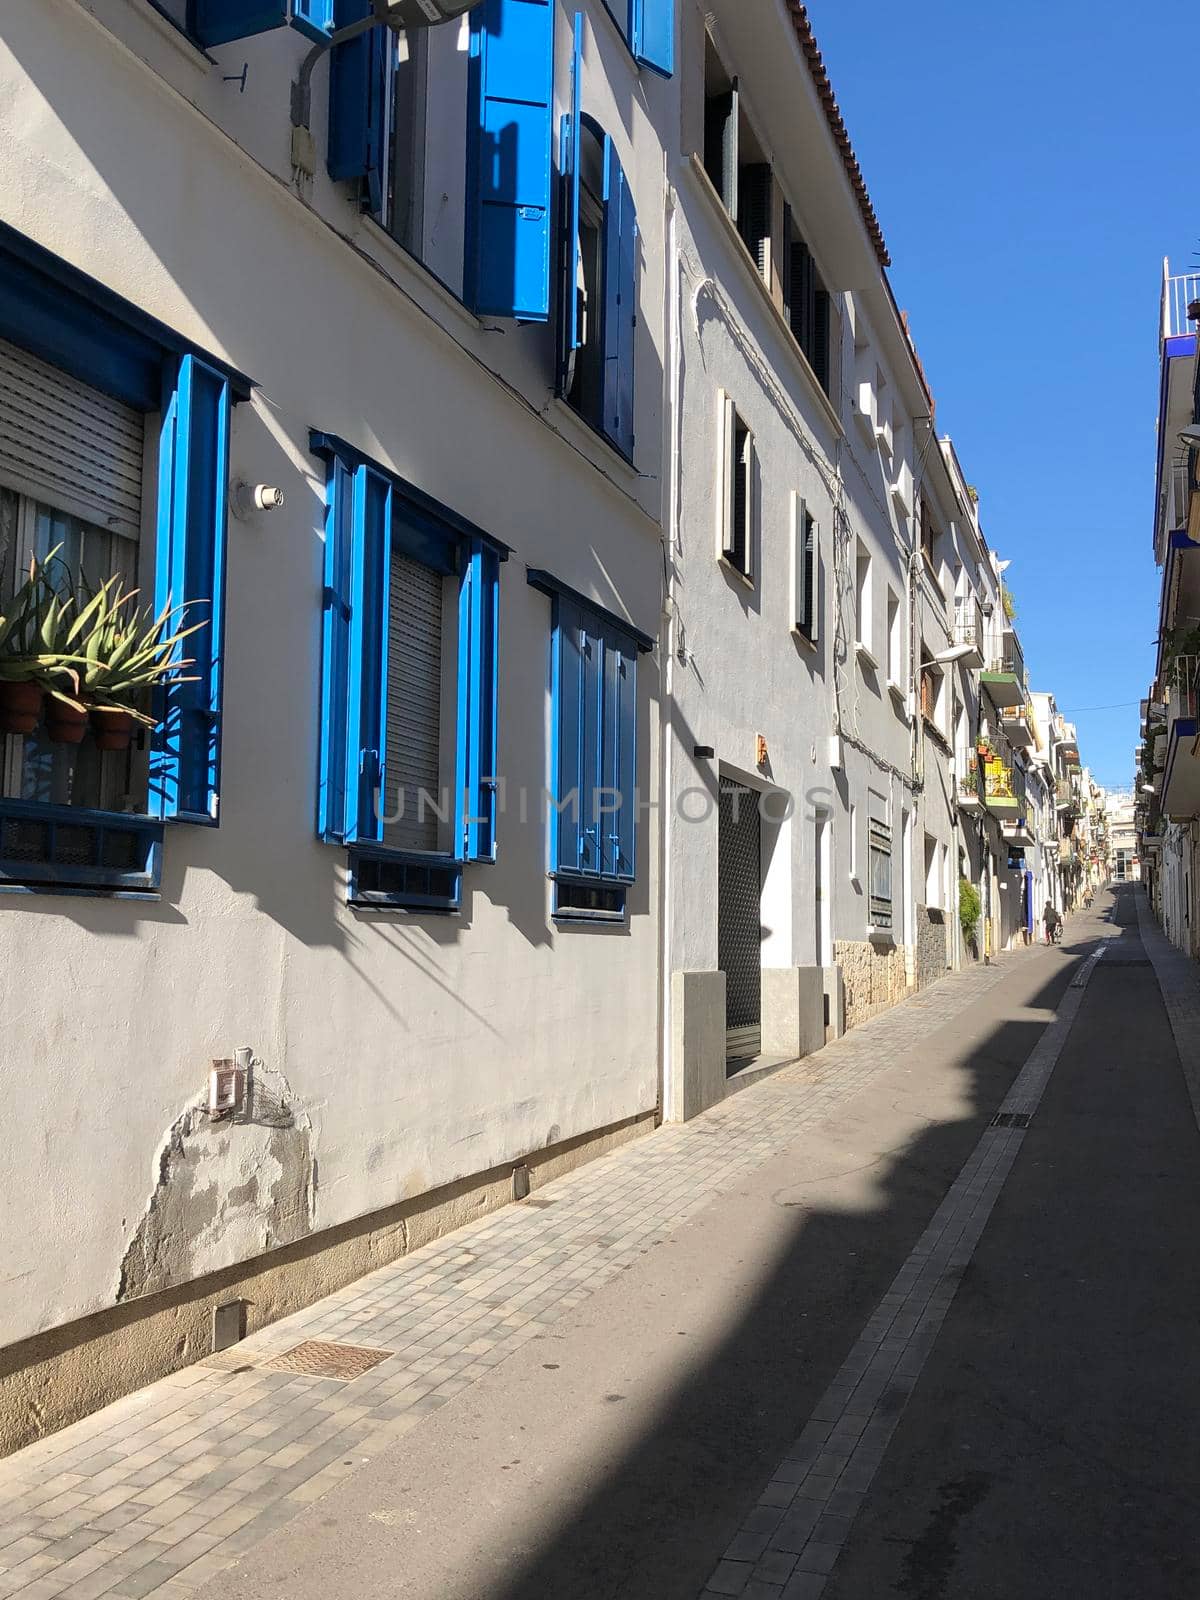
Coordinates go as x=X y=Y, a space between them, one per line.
x=64 y=725
x=20 y=706
x=112 y=729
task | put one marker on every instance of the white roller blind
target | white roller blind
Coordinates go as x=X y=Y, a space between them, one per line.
x=414 y=732
x=68 y=445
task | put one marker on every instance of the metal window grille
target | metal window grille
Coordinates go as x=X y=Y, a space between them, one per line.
x=879 y=849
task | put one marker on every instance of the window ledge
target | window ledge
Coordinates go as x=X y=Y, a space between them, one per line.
x=379 y=245
x=586 y=435
x=897 y=691
x=881 y=938
x=736 y=572
x=149 y=16
x=705 y=185
x=802 y=638
x=865 y=655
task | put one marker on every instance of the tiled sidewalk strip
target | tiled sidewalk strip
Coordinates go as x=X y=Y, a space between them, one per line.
x=790 y=1540
x=168 y=1486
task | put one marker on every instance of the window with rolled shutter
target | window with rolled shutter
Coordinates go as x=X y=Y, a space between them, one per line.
x=413 y=763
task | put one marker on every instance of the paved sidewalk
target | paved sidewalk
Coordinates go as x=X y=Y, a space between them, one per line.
x=164 y=1489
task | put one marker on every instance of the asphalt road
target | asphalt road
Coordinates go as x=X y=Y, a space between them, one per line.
x=1048 y=1448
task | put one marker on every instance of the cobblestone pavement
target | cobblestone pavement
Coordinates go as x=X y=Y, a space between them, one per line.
x=159 y=1492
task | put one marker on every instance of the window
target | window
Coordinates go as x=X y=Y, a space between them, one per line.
x=83 y=375
x=805 y=572
x=406 y=112
x=853 y=840
x=879 y=865
x=807 y=303
x=409 y=690
x=929 y=540
x=721 y=119
x=737 y=498
x=593 y=778
x=895 y=638
x=933 y=694
x=863 y=620
x=599 y=301
x=648 y=28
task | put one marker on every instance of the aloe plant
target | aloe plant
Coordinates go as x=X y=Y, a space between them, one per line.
x=35 y=634
x=125 y=653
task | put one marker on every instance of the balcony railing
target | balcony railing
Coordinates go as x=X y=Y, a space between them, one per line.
x=1002 y=782
x=1178 y=292
x=1012 y=662
x=968 y=624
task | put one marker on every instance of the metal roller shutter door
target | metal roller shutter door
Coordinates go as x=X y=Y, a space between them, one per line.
x=414 y=700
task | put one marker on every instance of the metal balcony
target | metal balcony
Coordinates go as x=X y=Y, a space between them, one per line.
x=1178 y=292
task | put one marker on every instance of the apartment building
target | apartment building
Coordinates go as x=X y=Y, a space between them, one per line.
x=1167 y=798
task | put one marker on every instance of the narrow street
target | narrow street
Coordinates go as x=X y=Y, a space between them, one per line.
x=842 y=1335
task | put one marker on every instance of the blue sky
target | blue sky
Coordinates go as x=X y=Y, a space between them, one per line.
x=1031 y=166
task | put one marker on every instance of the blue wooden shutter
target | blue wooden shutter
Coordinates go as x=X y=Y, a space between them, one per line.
x=190 y=570
x=509 y=143
x=619 y=714
x=221 y=21
x=591 y=742
x=620 y=303
x=652 y=34
x=366 y=701
x=335 y=664
x=358 y=81
x=569 y=159
x=478 y=672
x=566 y=763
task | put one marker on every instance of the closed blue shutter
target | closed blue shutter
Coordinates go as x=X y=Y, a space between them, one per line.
x=509 y=158
x=569 y=157
x=652 y=29
x=220 y=21
x=620 y=304
x=366 y=708
x=591 y=740
x=335 y=671
x=358 y=78
x=190 y=570
x=478 y=672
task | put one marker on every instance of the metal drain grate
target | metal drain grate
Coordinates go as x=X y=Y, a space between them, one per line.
x=317 y=1360
x=312 y=1358
x=1011 y=1119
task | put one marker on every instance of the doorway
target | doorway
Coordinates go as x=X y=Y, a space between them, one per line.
x=739 y=920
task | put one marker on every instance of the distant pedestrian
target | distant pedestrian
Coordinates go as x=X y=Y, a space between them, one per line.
x=1052 y=921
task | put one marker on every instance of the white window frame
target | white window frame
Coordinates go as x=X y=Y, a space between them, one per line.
x=864 y=618
x=808 y=628
x=731 y=420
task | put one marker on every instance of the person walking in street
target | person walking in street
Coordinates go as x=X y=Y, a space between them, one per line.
x=1052 y=921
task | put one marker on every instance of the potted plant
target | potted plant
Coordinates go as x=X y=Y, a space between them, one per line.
x=125 y=656
x=36 y=662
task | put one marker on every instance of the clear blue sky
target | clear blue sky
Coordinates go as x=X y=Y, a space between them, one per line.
x=1031 y=166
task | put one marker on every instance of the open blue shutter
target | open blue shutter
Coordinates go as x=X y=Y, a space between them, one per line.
x=652 y=34
x=569 y=158
x=358 y=80
x=620 y=303
x=335 y=655
x=366 y=701
x=566 y=754
x=509 y=144
x=221 y=21
x=622 y=690
x=190 y=570
x=478 y=670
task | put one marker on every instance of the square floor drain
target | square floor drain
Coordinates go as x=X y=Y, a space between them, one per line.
x=1011 y=1119
x=317 y=1360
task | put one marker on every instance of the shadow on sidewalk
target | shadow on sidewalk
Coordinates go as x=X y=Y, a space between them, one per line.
x=658 y=1519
